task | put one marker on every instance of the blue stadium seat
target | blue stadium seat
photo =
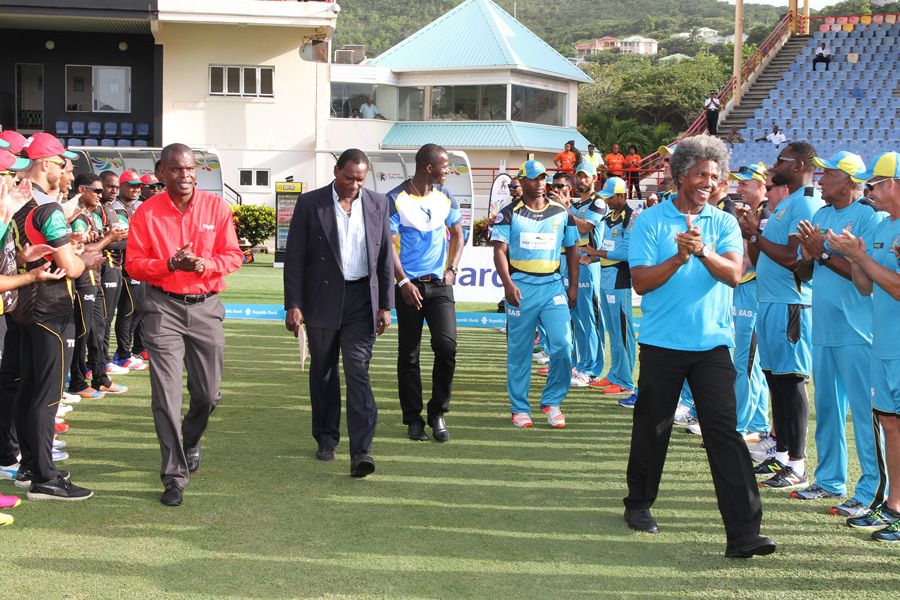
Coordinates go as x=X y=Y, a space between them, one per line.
x=141 y=143
x=73 y=142
x=123 y=142
x=62 y=128
x=78 y=128
x=107 y=142
x=110 y=129
x=91 y=142
x=143 y=130
x=93 y=128
x=126 y=129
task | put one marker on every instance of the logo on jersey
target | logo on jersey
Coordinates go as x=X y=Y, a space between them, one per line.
x=207 y=227
x=781 y=214
x=499 y=219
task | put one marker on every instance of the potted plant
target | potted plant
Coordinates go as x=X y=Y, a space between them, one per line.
x=253 y=224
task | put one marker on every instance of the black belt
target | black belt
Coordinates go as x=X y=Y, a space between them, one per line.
x=428 y=278
x=187 y=298
x=357 y=281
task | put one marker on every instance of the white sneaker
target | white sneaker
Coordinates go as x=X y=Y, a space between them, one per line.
x=682 y=414
x=114 y=369
x=538 y=356
x=522 y=420
x=59 y=455
x=554 y=416
x=544 y=360
x=577 y=381
x=63 y=409
x=693 y=426
x=9 y=471
x=58 y=444
x=71 y=398
x=763 y=449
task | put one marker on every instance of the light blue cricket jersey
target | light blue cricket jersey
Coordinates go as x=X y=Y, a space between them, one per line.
x=692 y=310
x=775 y=283
x=535 y=239
x=840 y=315
x=591 y=210
x=884 y=247
x=422 y=222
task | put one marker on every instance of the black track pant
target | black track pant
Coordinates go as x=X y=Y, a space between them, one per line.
x=790 y=413
x=83 y=315
x=10 y=377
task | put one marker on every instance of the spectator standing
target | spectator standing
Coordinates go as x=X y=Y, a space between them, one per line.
x=368 y=109
x=712 y=105
x=615 y=163
x=594 y=158
x=565 y=160
x=823 y=55
x=633 y=170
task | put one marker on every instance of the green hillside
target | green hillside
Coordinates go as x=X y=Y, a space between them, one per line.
x=379 y=24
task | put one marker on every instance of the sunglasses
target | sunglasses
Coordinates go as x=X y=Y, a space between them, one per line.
x=98 y=190
x=871 y=185
x=514 y=187
x=56 y=161
x=560 y=186
x=785 y=159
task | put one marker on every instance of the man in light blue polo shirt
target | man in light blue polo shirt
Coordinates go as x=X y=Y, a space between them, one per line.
x=842 y=343
x=685 y=258
x=875 y=268
x=426 y=221
x=784 y=326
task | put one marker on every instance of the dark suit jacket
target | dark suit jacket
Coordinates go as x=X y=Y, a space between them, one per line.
x=313 y=280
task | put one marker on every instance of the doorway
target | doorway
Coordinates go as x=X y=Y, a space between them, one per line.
x=29 y=98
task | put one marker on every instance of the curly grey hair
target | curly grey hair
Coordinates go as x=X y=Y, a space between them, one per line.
x=698 y=147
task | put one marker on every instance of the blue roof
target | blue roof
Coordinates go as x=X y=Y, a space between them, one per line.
x=477 y=34
x=483 y=136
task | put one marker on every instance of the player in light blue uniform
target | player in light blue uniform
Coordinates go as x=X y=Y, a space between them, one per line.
x=615 y=290
x=528 y=235
x=784 y=325
x=588 y=210
x=751 y=388
x=875 y=268
x=842 y=339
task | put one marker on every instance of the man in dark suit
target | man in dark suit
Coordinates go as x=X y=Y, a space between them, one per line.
x=339 y=282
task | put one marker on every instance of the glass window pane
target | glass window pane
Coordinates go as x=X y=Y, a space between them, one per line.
x=79 y=81
x=112 y=89
x=266 y=81
x=538 y=106
x=250 y=81
x=262 y=178
x=246 y=177
x=233 y=81
x=346 y=98
x=492 y=106
x=217 y=80
x=410 y=103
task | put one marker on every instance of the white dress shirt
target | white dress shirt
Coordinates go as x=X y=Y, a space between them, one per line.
x=351 y=238
x=776 y=138
x=712 y=104
x=368 y=111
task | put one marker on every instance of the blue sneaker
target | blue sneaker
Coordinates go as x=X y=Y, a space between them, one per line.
x=9 y=471
x=629 y=401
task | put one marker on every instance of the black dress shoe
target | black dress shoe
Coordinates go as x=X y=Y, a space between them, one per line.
x=758 y=545
x=325 y=452
x=193 y=457
x=439 y=429
x=172 y=495
x=361 y=465
x=640 y=519
x=416 y=432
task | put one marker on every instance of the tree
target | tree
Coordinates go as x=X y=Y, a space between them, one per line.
x=600 y=94
x=254 y=223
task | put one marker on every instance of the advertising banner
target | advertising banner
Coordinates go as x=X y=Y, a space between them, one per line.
x=286 y=195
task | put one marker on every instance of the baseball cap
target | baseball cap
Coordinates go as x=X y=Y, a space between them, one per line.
x=613 y=186
x=532 y=169
x=667 y=150
x=748 y=172
x=149 y=179
x=587 y=168
x=44 y=145
x=11 y=162
x=129 y=177
x=13 y=139
x=886 y=164
x=848 y=162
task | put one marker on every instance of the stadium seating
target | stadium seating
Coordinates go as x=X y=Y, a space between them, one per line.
x=853 y=106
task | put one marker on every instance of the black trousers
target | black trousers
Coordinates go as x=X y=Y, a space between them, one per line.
x=111 y=279
x=712 y=121
x=130 y=297
x=96 y=342
x=711 y=376
x=83 y=315
x=353 y=341
x=10 y=376
x=46 y=354
x=634 y=184
x=439 y=309
x=822 y=59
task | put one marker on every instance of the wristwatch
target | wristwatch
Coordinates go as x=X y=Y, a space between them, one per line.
x=704 y=252
x=823 y=258
x=452 y=269
x=754 y=238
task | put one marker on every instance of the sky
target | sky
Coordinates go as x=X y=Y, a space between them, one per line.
x=814 y=4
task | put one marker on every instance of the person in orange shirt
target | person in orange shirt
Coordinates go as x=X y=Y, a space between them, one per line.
x=565 y=160
x=615 y=163
x=633 y=170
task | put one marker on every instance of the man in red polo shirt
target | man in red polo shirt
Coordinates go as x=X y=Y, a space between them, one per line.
x=182 y=243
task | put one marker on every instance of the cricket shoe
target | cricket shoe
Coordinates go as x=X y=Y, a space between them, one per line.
x=763 y=449
x=60 y=427
x=876 y=520
x=9 y=502
x=114 y=369
x=114 y=389
x=628 y=402
x=59 y=456
x=554 y=416
x=683 y=414
x=603 y=382
x=58 y=444
x=850 y=509
x=133 y=363
x=63 y=409
x=6 y=519
x=768 y=467
x=9 y=471
x=786 y=479
x=616 y=389
x=522 y=420
x=891 y=533
x=815 y=492
x=543 y=372
x=70 y=398
x=540 y=357
x=578 y=380
x=90 y=393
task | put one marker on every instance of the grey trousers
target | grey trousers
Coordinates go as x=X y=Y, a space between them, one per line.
x=178 y=335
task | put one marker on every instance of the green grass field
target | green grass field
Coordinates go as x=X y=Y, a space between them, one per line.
x=496 y=513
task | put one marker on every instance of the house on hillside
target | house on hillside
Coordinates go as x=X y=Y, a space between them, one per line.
x=501 y=100
x=596 y=46
x=636 y=44
x=246 y=77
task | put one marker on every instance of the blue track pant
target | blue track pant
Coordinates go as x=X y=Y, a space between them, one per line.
x=545 y=304
x=841 y=375
x=617 y=317
x=587 y=321
x=751 y=389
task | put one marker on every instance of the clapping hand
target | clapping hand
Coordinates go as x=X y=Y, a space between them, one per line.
x=71 y=209
x=186 y=260
x=847 y=244
x=748 y=220
x=43 y=273
x=33 y=252
x=690 y=241
x=812 y=242
x=13 y=198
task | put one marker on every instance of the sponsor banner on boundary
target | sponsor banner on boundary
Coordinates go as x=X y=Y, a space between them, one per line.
x=273 y=312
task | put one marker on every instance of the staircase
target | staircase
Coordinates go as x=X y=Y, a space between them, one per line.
x=764 y=83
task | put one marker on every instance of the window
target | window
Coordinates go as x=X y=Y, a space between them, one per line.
x=254 y=178
x=468 y=102
x=246 y=81
x=98 y=89
x=538 y=106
